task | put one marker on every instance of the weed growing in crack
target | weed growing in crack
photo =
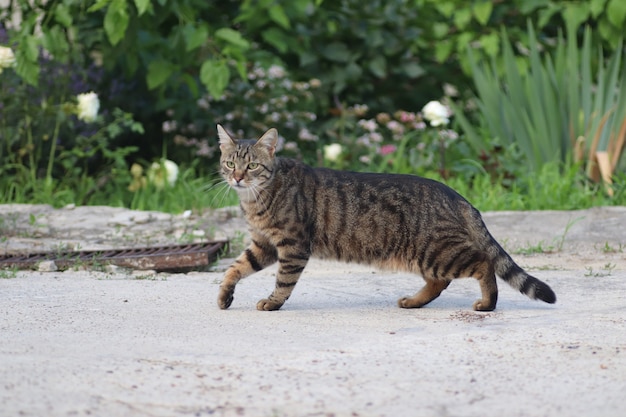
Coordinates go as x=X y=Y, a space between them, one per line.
x=555 y=247
x=607 y=248
x=605 y=271
x=8 y=273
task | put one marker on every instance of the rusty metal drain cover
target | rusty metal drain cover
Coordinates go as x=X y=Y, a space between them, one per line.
x=159 y=258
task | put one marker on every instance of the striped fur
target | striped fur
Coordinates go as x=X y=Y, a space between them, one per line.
x=397 y=222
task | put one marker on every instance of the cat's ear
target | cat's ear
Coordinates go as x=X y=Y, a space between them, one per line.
x=269 y=141
x=225 y=140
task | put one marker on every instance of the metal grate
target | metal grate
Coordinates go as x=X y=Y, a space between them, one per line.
x=159 y=258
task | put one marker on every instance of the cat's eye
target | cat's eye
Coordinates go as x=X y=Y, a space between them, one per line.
x=253 y=165
x=230 y=164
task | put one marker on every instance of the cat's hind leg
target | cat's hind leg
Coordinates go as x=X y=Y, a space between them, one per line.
x=291 y=261
x=257 y=256
x=428 y=293
x=485 y=274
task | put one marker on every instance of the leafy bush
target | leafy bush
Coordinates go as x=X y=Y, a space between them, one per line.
x=268 y=97
x=48 y=135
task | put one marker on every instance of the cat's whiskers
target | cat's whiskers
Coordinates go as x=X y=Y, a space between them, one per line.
x=222 y=189
x=222 y=193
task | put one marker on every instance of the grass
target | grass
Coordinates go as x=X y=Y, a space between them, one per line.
x=191 y=192
x=556 y=246
x=551 y=188
x=607 y=248
x=605 y=271
x=8 y=273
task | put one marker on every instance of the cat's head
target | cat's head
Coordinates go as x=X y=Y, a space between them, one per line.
x=247 y=165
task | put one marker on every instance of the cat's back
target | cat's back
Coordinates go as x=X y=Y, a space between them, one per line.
x=390 y=196
x=365 y=216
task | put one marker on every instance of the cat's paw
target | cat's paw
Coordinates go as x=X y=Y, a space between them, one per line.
x=225 y=298
x=479 y=305
x=409 y=302
x=268 y=305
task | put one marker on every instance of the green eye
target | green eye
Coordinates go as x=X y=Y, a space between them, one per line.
x=253 y=165
x=229 y=164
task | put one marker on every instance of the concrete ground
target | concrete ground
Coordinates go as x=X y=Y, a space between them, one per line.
x=123 y=343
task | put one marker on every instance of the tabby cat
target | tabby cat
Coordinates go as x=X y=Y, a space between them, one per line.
x=397 y=222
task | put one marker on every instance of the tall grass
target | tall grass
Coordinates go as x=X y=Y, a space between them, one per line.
x=555 y=106
x=555 y=186
x=191 y=192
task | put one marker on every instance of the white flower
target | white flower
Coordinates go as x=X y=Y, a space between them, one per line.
x=436 y=113
x=7 y=59
x=305 y=134
x=88 y=106
x=332 y=152
x=276 y=71
x=186 y=214
x=315 y=83
x=369 y=125
x=163 y=172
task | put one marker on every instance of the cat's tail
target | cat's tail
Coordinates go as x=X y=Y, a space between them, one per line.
x=516 y=277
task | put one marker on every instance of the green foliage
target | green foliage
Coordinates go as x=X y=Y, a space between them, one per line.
x=181 y=66
x=355 y=48
x=546 y=109
x=554 y=187
x=452 y=27
x=174 y=41
x=163 y=42
x=46 y=139
x=268 y=97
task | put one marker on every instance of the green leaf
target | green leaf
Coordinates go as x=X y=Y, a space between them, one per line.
x=609 y=32
x=482 y=12
x=443 y=49
x=440 y=29
x=194 y=36
x=546 y=14
x=26 y=68
x=215 y=75
x=100 y=4
x=490 y=44
x=353 y=71
x=158 y=72
x=336 y=51
x=142 y=6
x=276 y=37
x=596 y=7
x=528 y=6
x=55 y=42
x=462 y=17
x=132 y=63
x=307 y=58
x=30 y=48
x=277 y=14
x=616 y=12
x=576 y=13
x=233 y=37
x=192 y=84
x=413 y=70
x=446 y=8
x=116 y=21
x=378 y=66
x=463 y=40
x=62 y=15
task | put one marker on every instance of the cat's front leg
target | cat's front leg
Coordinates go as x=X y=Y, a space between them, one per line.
x=291 y=261
x=257 y=256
